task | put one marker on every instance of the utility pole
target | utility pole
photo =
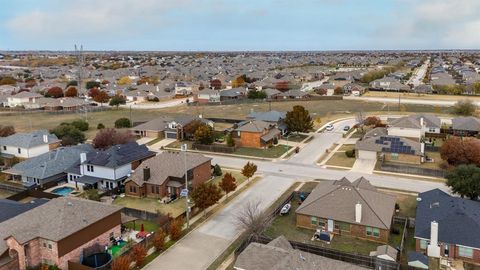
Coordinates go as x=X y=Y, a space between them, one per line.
x=187 y=208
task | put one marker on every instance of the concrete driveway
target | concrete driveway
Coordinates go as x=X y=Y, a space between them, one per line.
x=364 y=165
x=156 y=147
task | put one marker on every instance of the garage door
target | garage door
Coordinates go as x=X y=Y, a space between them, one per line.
x=367 y=154
x=171 y=135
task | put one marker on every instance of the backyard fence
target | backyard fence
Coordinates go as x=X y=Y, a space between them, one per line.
x=411 y=170
x=214 y=148
x=249 y=101
x=11 y=188
x=35 y=193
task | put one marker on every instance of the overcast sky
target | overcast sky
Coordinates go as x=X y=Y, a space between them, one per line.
x=215 y=25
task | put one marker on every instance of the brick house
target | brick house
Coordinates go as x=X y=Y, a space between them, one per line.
x=257 y=134
x=348 y=208
x=167 y=127
x=55 y=233
x=164 y=175
x=457 y=222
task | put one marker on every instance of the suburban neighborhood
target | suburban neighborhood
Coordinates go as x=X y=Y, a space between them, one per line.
x=239 y=135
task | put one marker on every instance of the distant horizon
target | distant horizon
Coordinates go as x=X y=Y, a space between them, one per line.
x=239 y=25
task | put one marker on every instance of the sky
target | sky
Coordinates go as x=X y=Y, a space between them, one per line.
x=239 y=25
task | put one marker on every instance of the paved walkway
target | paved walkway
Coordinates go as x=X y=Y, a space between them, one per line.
x=202 y=246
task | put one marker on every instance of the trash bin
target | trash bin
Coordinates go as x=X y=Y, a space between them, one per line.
x=297 y=149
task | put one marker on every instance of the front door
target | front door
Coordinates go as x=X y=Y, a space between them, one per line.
x=330 y=225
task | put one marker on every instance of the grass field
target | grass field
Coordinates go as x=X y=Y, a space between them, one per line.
x=237 y=174
x=340 y=159
x=175 y=208
x=325 y=109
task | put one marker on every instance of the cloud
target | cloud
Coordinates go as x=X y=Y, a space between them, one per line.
x=92 y=18
x=433 y=24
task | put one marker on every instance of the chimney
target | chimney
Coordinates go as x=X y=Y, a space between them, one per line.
x=358 y=212
x=200 y=116
x=83 y=157
x=433 y=250
x=146 y=174
x=45 y=138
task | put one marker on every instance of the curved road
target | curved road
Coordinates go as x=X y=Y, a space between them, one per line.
x=202 y=246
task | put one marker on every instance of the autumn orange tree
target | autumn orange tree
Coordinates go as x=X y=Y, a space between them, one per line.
x=101 y=97
x=121 y=263
x=249 y=170
x=71 y=92
x=159 y=239
x=205 y=195
x=458 y=151
x=107 y=137
x=138 y=254
x=175 y=229
x=54 y=92
x=239 y=81
x=6 y=131
x=228 y=183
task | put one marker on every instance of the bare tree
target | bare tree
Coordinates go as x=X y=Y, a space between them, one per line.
x=252 y=219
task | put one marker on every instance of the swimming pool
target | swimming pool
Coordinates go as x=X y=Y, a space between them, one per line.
x=63 y=191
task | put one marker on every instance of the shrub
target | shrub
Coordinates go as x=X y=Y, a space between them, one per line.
x=217 y=170
x=175 y=229
x=54 y=92
x=159 y=240
x=71 y=92
x=123 y=123
x=350 y=153
x=138 y=254
x=100 y=126
x=80 y=124
x=275 y=141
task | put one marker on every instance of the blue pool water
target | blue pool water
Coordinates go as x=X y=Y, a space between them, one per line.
x=63 y=191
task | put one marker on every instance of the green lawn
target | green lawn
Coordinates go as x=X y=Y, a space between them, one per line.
x=340 y=159
x=147 y=225
x=272 y=152
x=407 y=203
x=296 y=137
x=396 y=239
x=175 y=208
x=154 y=141
x=286 y=225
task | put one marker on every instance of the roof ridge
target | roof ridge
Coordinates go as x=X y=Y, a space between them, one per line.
x=374 y=212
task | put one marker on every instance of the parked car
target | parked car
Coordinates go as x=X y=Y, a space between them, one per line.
x=285 y=209
x=346 y=128
x=329 y=127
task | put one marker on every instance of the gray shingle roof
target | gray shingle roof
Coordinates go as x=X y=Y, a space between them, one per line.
x=337 y=199
x=54 y=220
x=254 y=126
x=270 y=116
x=456 y=218
x=118 y=155
x=28 y=140
x=279 y=255
x=52 y=163
x=167 y=164
x=469 y=123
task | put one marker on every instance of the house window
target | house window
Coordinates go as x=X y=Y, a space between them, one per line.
x=5 y=147
x=321 y=223
x=19 y=150
x=342 y=226
x=158 y=189
x=90 y=168
x=313 y=220
x=423 y=244
x=431 y=130
x=465 y=252
x=394 y=156
x=153 y=189
x=375 y=232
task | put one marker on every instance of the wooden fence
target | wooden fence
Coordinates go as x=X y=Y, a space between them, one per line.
x=396 y=168
x=214 y=148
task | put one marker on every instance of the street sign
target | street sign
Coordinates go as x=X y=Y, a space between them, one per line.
x=183 y=148
x=184 y=193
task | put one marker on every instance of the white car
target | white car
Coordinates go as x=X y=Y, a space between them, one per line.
x=329 y=127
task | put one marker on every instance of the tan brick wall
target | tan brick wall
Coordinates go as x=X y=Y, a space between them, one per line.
x=13 y=244
x=250 y=139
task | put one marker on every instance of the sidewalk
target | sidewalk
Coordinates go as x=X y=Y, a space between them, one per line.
x=340 y=144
